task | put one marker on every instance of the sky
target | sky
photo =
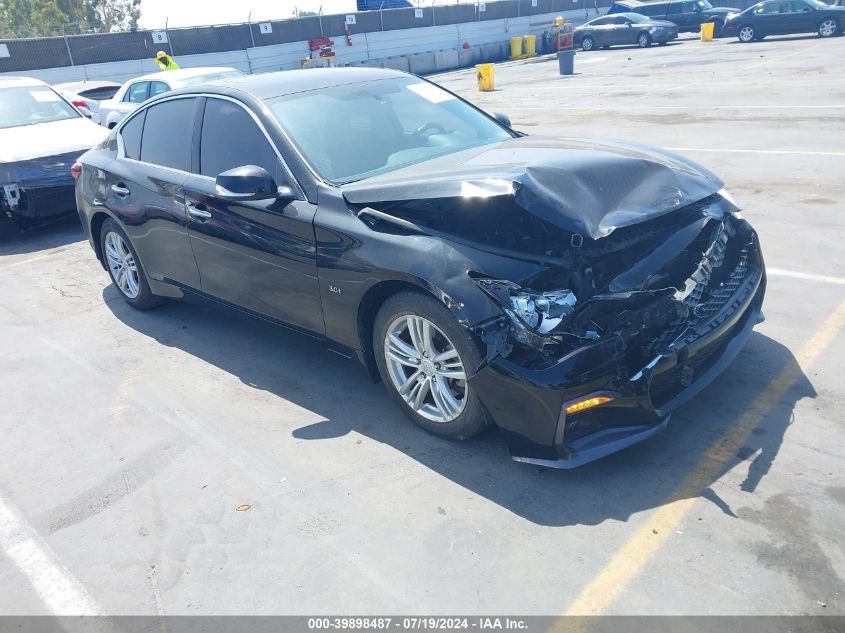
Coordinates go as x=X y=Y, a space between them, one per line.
x=154 y=13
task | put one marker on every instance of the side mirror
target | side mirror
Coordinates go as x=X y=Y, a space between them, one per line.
x=250 y=182
x=504 y=119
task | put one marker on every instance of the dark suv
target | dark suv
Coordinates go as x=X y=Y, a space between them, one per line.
x=689 y=15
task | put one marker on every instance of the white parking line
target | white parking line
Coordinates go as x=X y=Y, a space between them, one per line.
x=60 y=591
x=788 y=152
x=825 y=279
x=834 y=106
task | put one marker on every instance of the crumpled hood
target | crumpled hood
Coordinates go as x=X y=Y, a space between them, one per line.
x=48 y=139
x=585 y=187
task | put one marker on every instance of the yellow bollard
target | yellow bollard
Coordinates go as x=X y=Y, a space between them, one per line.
x=516 y=47
x=707 y=31
x=484 y=72
x=530 y=45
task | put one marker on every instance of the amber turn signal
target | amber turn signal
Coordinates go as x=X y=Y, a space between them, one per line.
x=588 y=403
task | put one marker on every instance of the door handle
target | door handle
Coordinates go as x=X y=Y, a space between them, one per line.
x=198 y=211
x=120 y=190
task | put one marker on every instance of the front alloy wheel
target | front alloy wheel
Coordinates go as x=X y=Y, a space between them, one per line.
x=425 y=368
x=426 y=359
x=121 y=262
x=828 y=28
x=644 y=40
x=588 y=44
x=746 y=34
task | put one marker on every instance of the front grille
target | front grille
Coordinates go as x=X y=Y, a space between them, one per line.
x=708 y=289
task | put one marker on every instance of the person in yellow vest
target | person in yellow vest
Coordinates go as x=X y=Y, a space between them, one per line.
x=165 y=61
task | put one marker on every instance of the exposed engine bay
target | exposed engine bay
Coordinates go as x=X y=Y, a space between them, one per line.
x=650 y=284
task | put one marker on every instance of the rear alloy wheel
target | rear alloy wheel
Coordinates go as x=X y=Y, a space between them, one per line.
x=588 y=44
x=425 y=357
x=746 y=34
x=124 y=267
x=644 y=40
x=828 y=28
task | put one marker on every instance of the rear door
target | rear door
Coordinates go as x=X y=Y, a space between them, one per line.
x=767 y=18
x=144 y=188
x=259 y=255
x=601 y=31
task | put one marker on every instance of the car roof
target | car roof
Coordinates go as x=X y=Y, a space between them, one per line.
x=86 y=84
x=20 y=82
x=174 y=76
x=269 y=85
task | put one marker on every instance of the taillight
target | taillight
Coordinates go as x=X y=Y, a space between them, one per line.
x=76 y=170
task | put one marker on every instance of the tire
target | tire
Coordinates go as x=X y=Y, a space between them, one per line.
x=828 y=28
x=644 y=40
x=442 y=405
x=588 y=43
x=746 y=34
x=119 y=256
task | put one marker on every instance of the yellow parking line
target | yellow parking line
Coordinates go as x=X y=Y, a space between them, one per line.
x=645 y=542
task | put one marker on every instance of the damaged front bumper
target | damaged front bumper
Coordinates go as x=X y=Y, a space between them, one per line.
x=529 y=404
x=37 y=189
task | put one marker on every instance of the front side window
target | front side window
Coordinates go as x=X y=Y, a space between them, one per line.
x=168 y=130
x=354 y=131
x=137 y=92
x=158 y=87
x=28 y=105
x=231 y=138
x=130 y=133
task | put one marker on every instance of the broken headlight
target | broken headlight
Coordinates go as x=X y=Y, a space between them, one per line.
x=543 y=311
x=540 y=312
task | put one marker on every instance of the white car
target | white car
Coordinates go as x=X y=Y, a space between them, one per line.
x=86 y=95
x=41 y=136
x=134 y=92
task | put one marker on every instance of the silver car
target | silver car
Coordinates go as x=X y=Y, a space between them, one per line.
x=135 y=91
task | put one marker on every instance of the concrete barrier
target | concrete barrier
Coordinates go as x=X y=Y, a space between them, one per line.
x=446 y=59
x=422 y=63
x=397 y=62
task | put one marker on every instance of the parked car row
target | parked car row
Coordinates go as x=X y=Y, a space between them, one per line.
x=771 y=17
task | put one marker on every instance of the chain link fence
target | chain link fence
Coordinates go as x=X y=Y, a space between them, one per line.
x=70 y=48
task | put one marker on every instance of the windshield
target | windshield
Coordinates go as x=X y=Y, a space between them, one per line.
x=704 y=5
x=28 y=105
x=636 y=18
x=355 y=131
x=201 y=79
x=817 y=5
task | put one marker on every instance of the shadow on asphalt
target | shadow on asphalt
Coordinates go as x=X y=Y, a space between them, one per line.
x=301 y=370
x=14 y=241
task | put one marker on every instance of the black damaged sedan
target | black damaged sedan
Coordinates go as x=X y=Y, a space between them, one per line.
x=572 y=293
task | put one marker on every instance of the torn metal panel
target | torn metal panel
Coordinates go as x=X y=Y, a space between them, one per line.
x=586 y=188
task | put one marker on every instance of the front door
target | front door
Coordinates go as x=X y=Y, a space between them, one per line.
x=261 y=254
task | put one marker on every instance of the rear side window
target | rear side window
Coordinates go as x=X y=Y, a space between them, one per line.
x=231 y=138
x=131 y=135
x=168 y=131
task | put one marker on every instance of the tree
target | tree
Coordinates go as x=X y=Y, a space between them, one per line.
x=41 y=18
x=104 y=16
x=31 y=18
